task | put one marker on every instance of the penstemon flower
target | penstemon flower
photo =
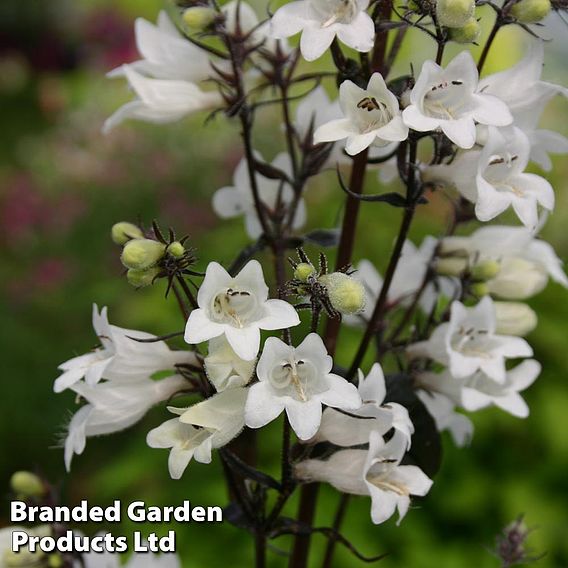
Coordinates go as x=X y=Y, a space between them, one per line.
x=120 y=358
x=376 y=472
x=237 y=308
x=468 y=343
x=298 y=380
x=320 y=21
x=450 y=99
x=224 y=368
x=372 y=116
x=274 y=194
x=374 y=415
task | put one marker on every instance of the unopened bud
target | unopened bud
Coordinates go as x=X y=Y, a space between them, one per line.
x=514 y=318
x=468 y=33
x=518 y=279
x=531 y=11
x=176 y=249
x=199 y=17
x=451 y=266
x=346 y=294
x=454 y=13
x=480 y=289
x=27 y=484
x=142 y=253
x=123 y=232
x=55 y=561
x=142 y=278
x=486 y=270
x=455 y=246
x=303 y=271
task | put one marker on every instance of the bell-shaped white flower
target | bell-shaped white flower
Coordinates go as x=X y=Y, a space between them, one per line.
x=451 y=100
x=224 y=368
x=468 y=343
x=442 y=410
x=526 y=95
x=298 y=380
x=120 y=357
x=200 y=428
x=236 y=200
x=373 y=416
x=372 y=116
x=376 y=472
x=114 y=406
x=479 y=391
x=166 y=54
x=525 y=262
x=237 y=307
x=161 y=101
x=320 y=21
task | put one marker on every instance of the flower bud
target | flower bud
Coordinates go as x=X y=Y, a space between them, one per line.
x=142 y=278
x=486 y=270
x=176 y=249
x=142 y=253
x=454 y=13
x=514 y=318
x=303 y=271
x=531 y=11
x=451 y=266
x=454 y=246
x=346 y=294
x=468 y=33
x=480 y=289
x=518 y=279
x=199 y=17
x=27 y=484
x=123 y=232
x=55 y=561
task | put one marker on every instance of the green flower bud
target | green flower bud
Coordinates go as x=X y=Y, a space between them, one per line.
x=123 y=232
x=27 y=484
x=142 y=278
x=346 y=294
x=480 y=289
x=531 y=11
x=454 y=13
x=55 y=561
x=176 y=249
x=199 y=17
x=303 y=271
x=451 y=266
x=142 y=253
x=514 y=318
x=468 y=33
x=486 y=270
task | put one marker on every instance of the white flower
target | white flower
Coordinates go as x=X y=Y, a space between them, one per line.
x=494 y=178
x=525 y=262
x=449 y=99
x=321 y=20
x=376 y=472
x=442 y=410
x=521 y=88
x=120 y=357
x=114 y=406
x=408 y=278
x=238 y=308
x=219 y=419
x=348 y=430
x=237 y=199
x=298 y=380
x=161 y=101
x=166 y=53
x=479 y=391
x=224 y=368
x=468 y=343
x=372 y=116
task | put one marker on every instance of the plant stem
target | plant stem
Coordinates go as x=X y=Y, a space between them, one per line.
x=338 y=519
x=306 y=510
x=489 y=43
x=260 y=549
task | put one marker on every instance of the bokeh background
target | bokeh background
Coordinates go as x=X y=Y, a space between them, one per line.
x=63 y=184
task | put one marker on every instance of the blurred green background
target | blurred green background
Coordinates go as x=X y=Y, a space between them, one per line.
x=62 y=186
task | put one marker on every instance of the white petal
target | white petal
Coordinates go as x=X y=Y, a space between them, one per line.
x=358 y=143
x=359 y=34
x=279 y=315
x=341 y=394
x=334 y=130
x=315 y=41
x=461 y=132
x=414 y=119
x=394 y=131
x=288 y=20
x=200 y=328
x=491 y=110
x=228 y=203
x=304 y=417
x=262 y=406
x=178 y=460
x=244 y=341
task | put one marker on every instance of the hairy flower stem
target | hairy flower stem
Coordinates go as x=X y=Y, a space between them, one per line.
x=488 y=43
x=338 y=519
